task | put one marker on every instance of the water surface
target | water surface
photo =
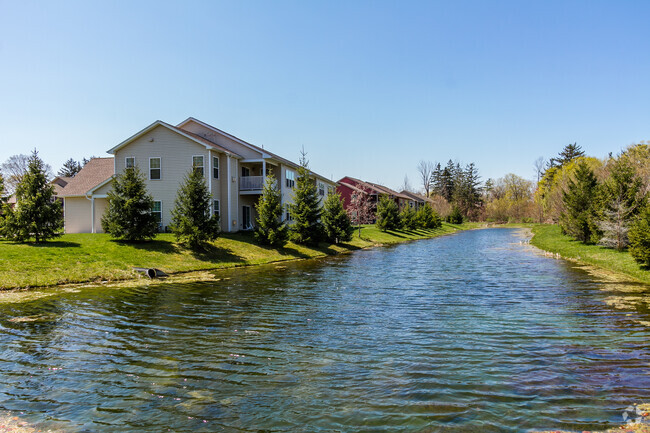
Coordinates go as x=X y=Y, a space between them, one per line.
x=470 y=332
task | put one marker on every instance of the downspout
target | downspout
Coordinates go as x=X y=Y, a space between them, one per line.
x=92 y=212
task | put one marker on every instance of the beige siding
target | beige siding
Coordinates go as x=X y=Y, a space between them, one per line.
x=77 y=215
x=104 y=189
x=101 y=204
x=176 y=152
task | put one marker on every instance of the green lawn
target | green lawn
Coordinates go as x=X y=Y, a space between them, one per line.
x=77 y=258
x=549 y=238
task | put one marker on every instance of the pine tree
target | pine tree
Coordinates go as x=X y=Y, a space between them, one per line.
x=70 y=168
x=456 y=216
x=622 y=201
x=427 y=218
x=387 y=214
x=580 y=200
x=337 y=226
x=37 y=213
x=640 y=238
x=192 y=220
x=408 y=218
x=436 y=179
x=271 y=230
x=305 y=211
x=129 y=215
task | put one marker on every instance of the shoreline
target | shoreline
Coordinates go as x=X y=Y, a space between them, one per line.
x=204 y=269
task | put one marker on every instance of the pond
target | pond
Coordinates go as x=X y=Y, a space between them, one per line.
x=470 y=332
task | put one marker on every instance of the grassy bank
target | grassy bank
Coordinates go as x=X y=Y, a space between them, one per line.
x=77 y=258
x=549 y=238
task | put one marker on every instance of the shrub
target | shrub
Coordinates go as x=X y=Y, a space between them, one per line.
x=129 y=216
x=639 y=235
x=271 y=230
x=193 y=223
x=387 y=214
x=337 y=226
x=455 y=217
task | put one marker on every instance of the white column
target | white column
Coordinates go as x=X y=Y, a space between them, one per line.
x=92 y=214
x=209 y=176
x=263 y=171
x=229 y=185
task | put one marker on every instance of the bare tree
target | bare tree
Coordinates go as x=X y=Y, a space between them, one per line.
x=425 y=170
x=15 y=167
x=406 y=186
x=539 y=164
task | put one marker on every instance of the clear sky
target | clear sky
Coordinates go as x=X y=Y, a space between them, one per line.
x=369 y=88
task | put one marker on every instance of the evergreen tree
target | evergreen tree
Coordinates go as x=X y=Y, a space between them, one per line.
x=192 y=220
x=447 y=182
x=456 y=216
x=427 y=218
x=436 y=179
x=305 y=211
x=640 y=238
x=579 y=218
x=271 y=230
x=408 y=218
x=70 y=168
x=622 y=201
x=129 y=215
x=37 y=213
x=387 y=214
x=568 y=154
x=337 y=226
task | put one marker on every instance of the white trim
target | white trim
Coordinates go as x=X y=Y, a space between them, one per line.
x=202 y=159
x=125 y=164
x=213 y=167
x=92 y=214
x=218 y=201
x=64 y=215
x=99 y=185
x=209 y=176
x=149 y=172
x=229 y=186
x=225 y=134
x=161 y=213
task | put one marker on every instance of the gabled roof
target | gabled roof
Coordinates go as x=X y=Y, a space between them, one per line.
x=265 y=153
x=375 y=187
x=59 y=182
x=417 y=197
x=96 y=171
x=200 y=140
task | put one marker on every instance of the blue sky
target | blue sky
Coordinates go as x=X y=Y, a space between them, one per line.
x=369 y=88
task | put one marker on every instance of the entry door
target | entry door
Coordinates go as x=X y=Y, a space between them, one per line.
x=246 y=220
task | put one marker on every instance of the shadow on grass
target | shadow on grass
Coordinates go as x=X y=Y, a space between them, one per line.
x=214 y=254
x=52 y=244
x=156 y=245
x=396 y=233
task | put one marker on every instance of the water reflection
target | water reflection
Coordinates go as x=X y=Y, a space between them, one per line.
x=464 y=333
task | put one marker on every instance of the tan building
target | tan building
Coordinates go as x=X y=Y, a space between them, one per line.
x=235 y=173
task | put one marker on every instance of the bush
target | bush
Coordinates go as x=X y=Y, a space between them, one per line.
x=337 y=226
x=387 y=214
x=193 y=223
x=271 y=230
x=129 y=216
x=408 y=218
x=455 y=217
x=639 y=235
x=427 y=218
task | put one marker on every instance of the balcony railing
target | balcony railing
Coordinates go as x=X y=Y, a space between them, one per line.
x=251 y=183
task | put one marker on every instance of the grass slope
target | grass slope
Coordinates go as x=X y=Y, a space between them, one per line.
x=77 y=258
x=550 y=238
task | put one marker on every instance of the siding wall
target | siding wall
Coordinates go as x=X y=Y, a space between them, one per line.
x=176 y=154
x=77 y=215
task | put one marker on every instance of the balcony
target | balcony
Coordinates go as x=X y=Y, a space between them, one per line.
x=251 y=183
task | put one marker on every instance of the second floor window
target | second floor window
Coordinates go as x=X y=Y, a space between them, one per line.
x=129 y=162
x=197 y=163
x=215 y=167
x=155 y=169
x=321 y=189
x=290 y=179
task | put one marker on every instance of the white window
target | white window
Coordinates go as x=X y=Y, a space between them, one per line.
x=215 y=207
x=157 y=212
x=129 y=162
x=155 y=170
x=330 y=190
x=215 y=167
x=321 y=189
x=288 y=216
x=290 y=179
x=197 y=163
